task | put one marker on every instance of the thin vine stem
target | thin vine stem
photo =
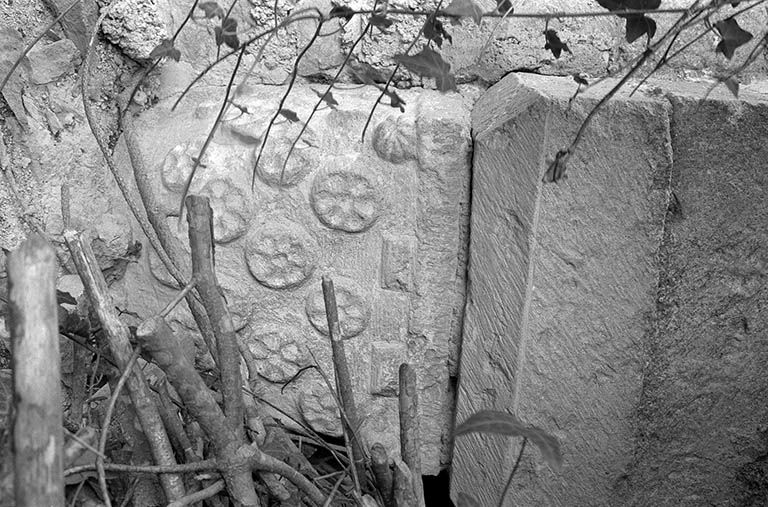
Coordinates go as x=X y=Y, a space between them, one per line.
x=198 y=161
x=322 y=97
x=157 y=62
x=512 y=473
x=34 y=42
x=279 y=109
x=531 y=15
x=392 y=76
x=233 y=52
x=107 y=420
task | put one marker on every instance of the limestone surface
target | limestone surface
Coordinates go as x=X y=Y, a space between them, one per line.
x=618 y=308
x=562 y=279
x=385 y=220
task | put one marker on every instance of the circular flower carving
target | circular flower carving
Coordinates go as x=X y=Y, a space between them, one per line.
x=345 y=200
x=318 y=408
x=230 y=210
x=280 y=354
x=354 y=312
x=394 y=140
x=272 y=164
x=177 y=166
x=280 y=255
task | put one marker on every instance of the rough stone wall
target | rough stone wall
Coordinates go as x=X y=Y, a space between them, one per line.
x=596 y=299
x=597 y=44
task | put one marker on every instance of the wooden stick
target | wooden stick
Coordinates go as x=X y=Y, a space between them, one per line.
x=161 y=342
x=199 y=496
x=118 y=337
x=37 y=433
x=382 y=473
x=403 y=493
x=167 y=240
x=344 y=381
x=200 y=217
x=410 y=445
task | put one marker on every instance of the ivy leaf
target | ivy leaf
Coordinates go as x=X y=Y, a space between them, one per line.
x=341 y=11
x=502 y=6
x=289 y=115
x=395 y=100
x=733 y=37
x=554 y=44
x=381 y=22
x=622 y=5
x=556 y=170
x=165 y=50
x=227 y=33
x=733 y=85
x=501 y=423
x=211 y=9
x=465 y=8
x=429 y=63
x=326 y=97
x=637 y=26
x=580 y=78
x=435 y=31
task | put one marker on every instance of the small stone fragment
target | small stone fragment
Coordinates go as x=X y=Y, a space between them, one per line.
x=49 y=62
x=135 y=26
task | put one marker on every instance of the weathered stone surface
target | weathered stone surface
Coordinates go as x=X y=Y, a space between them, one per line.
x=562 y=278
x=703 y=435
x=597 y=44
x=398 y=257
x=49 y=62
x=136 y=26
x=389 y=229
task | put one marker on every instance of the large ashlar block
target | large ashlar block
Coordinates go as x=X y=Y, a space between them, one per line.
x=703 y=418
x=562 y=284
x=386 y=219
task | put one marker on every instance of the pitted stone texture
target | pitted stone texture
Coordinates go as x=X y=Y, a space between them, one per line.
x=136 y=26
x=564 y=278
x=280 y=254
x=354 y=310
x=345 y=200
x=705 y=398
x=391 y=236
x=280 y=353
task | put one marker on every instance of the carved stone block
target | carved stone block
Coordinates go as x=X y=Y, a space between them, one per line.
x=384 y=218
